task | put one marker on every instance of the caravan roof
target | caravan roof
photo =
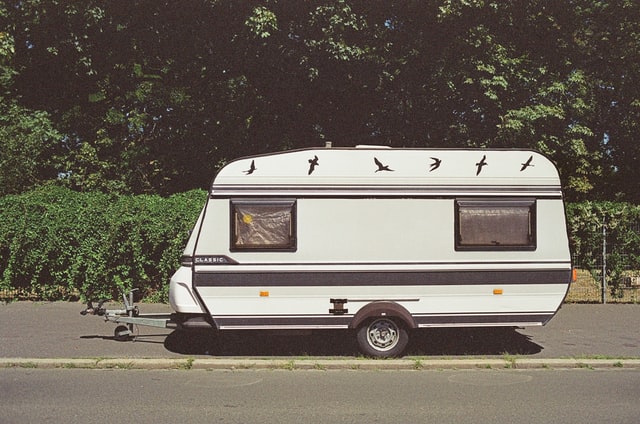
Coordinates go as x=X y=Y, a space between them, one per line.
x=408 y=169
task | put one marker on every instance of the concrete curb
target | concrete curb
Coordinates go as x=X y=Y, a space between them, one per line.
x=315 y=364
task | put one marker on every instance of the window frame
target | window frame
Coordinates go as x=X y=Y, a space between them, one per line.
x=233 y=225
x=497 y=203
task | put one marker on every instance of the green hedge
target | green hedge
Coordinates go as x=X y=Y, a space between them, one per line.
x=59 y=244
x=622 y=221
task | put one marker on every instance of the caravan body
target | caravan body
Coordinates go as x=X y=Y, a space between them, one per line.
x=377 y=239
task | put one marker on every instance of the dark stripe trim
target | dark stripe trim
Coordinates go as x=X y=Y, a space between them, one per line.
x=356 y=278
x=442 y=264
x=480 y=319
x=418 y=188
x=337 y=191
x=344 y=320
x=282 y=321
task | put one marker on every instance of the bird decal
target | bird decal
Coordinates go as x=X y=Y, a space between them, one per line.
x=312 y=164
x=481 y=164
x=381 y=167
x=526 y=164
x=251 y=169
x=435 y=165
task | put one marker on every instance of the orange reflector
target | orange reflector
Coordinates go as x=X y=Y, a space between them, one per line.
x=264 y=294
x=497 y=291
x=574 y=275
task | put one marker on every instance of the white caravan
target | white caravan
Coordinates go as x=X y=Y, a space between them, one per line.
x=378 y=240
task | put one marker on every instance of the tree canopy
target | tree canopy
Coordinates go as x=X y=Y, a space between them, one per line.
x=153 y=96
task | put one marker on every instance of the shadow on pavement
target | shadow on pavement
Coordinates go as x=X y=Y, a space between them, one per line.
x=432 y=342
x=146 y=338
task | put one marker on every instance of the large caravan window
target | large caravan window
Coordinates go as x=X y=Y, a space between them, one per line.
x=500 y=224
x=263 y=225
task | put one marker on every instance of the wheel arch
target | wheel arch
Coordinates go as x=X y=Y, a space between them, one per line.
x=381 y=309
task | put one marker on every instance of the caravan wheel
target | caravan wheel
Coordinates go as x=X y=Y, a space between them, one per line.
x=122 y=333
x=382 y=337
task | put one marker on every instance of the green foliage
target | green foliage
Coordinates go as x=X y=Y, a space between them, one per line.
x=151 y=96
x=28 y=143
x=7 y=50
x=622 y=222
x=59 y=244
x=262 y=22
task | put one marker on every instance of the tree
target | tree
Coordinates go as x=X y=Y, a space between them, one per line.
x=27 y=138
x=27 y=142
x=610 y=51
x=154 y=96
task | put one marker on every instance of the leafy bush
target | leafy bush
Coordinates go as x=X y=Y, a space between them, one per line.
x=622 y=221
x=59 y=244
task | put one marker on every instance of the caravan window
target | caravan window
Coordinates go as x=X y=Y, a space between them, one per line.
x=263 y=225
x=500 y=224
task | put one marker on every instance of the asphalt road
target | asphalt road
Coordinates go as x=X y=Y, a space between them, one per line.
x=195 y=391
x=284 y=397
x=57 y=330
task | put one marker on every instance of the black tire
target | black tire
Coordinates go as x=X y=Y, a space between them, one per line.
x=383 y=337
x=122 y=334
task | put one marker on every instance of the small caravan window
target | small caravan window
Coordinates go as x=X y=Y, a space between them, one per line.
x=263 y=225
x=500 y=224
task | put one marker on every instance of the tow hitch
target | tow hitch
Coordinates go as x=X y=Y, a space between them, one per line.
x=128 y=317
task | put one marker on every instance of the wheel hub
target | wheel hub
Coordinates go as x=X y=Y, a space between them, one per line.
x=383 y=334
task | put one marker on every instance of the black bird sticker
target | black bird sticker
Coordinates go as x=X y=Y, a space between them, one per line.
x=381 y=167
x=312 y=164
x=435 y=165
x=251 y=169
x=481 y=164
x=526 y=164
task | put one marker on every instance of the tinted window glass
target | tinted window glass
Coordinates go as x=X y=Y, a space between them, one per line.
x=263 y=225
x=495 y=224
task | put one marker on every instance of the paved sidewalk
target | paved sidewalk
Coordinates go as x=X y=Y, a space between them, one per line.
x=56 y=335
x=318 y=364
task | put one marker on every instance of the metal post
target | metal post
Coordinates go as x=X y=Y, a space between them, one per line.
x=604 y=260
